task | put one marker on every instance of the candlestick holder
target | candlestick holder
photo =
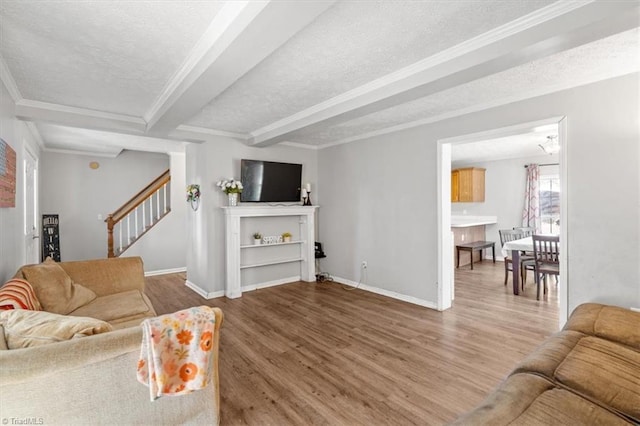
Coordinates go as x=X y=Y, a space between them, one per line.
x=307 y=199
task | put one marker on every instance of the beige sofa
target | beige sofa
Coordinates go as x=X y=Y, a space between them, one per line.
x=92 y=380
x=587 y=374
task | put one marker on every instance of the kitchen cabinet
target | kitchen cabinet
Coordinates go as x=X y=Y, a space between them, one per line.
x=467 y=185
x=455 y=186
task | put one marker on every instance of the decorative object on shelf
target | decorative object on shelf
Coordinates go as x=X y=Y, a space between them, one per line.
x=257 y=238
x=286 y=237
x=306 y=194
x=551 y=146
x=232 y=188
x=193 y=195
x=272 y=239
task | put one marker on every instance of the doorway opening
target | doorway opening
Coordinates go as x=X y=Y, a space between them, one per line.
x=446 y=271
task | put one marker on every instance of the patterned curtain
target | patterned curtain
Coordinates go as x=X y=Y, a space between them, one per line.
x=531 y=212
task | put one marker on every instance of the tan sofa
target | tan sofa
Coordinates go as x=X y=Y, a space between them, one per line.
x=587 y=374
x=118 y=284
x=92 y=380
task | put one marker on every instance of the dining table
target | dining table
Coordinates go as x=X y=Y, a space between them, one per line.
x=514 y=248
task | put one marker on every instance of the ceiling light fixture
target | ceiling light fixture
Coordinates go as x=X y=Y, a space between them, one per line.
x=551 y=146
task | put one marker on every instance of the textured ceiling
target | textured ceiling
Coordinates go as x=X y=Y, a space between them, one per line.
x=351 y=44
x=148 y=75
x=100 y=55
x=516 y=146
x=606 y=58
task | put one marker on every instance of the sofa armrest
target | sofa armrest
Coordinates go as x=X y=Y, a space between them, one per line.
x=92 y=380
x=23 y=365
x=607 y=322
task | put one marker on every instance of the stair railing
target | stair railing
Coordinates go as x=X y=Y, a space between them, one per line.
x=138 y=215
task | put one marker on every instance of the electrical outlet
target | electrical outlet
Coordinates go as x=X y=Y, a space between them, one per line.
x=364 y=264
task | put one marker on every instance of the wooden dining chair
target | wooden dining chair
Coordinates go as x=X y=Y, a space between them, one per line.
x=527 y=231
x=526 y=262
x=547 y=259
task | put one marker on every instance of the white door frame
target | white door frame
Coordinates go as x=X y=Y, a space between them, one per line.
x=31 y=235
x=445 y=242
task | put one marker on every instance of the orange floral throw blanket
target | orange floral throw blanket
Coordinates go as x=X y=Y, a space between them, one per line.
x=176 y=352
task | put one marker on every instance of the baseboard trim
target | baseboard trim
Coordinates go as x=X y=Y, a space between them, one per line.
x=270 y=283
x=203 y=293
x=165 y=271
x=391 y=294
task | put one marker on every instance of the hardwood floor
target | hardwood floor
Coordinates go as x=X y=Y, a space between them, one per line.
x=312 y=353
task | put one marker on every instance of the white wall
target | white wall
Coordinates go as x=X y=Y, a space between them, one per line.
x=18 y=136
x=208 y=163
x=379 y=195
x=71 y=189
x=505 y=182
x=164 y=248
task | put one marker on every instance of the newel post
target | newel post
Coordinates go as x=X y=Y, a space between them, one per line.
x=110 y=224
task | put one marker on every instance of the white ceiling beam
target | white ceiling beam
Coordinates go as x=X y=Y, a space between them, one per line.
x=557 y=27
x=240 y=37
x=37 y=111
x=88 y=140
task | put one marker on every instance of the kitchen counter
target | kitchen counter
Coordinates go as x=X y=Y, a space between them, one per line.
x=464 y=221
x=466 y=229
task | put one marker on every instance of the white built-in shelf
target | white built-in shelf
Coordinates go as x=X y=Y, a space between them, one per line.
x=272 y=262
x=271 y=244
x=306 y=238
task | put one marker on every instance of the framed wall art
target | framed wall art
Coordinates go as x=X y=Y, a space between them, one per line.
x=7 y=175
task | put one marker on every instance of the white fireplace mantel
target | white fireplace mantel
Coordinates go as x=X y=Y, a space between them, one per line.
x=234 y=216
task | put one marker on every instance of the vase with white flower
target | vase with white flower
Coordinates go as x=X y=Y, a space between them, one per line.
x=232 y=188
x=193 y=195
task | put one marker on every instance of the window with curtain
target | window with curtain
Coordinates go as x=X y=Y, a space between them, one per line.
x=549 y=190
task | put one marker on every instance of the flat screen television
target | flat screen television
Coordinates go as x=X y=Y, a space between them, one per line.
x=270 y=182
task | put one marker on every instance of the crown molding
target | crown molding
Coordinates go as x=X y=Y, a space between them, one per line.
x=31 y=110
x=9 y=82
x=85 y=153
x=185 y=131
x=508 y=39
x=36 y=134
x=300 y=145
x=27 y=103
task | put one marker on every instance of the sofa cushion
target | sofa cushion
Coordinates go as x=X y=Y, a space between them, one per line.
x=117 y=306
x=604 y=371
x=18 y=294
x=54 y=288
x=527 y=399
x=25 y=328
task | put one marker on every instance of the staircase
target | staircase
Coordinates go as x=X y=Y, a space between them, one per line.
x=137 y=216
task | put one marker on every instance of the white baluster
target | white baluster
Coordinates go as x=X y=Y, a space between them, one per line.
x=144 y=218
x=136 y=221
x=120 y=232
x=129 y=227
x=164 y=188
x=158 y=204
